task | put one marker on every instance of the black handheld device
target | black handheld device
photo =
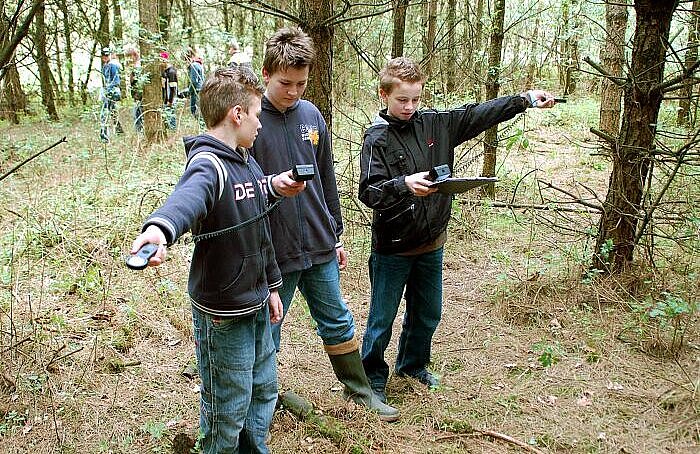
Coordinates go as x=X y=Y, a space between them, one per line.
x=303 y=172
x=439 y=173
x=560 y=100
x=139 y=260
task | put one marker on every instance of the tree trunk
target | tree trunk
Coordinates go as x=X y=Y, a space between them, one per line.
x=492 y=87
x=476 y=51
x=103 y=27
x=320 y=85
x=451 y=66
x=165 y=8
x=430 y=20
x=154 y=131
x=691 y=56
x=622 y=209
x=118 y=34
x=47 y=95
x=613 y=59
x=12 y=100
x=225 y=11
x=398 y=39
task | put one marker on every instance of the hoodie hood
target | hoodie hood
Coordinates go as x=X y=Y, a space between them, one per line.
x=267 y=106
x=205 y=142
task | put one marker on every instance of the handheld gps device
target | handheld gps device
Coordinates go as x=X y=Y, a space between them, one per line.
x=303 y=172
x=139 y=260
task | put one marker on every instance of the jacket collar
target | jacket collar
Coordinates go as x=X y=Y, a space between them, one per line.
x=269 y=107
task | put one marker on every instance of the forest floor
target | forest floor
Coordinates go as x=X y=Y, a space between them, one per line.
x=534 y=355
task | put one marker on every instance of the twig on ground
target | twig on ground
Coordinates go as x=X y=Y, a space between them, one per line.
x=493 y=434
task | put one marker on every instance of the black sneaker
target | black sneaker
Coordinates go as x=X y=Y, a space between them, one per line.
x=424 y=376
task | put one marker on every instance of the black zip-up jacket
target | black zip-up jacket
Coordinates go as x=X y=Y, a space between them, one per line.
x=231 y=274
x=305 y=228
x=394 y=149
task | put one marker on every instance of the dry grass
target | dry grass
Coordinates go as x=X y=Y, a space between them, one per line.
x=92 y=355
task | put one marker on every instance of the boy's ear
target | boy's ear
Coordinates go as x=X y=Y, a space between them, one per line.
x=383 y=95
x=235 y=113
x=266 y=75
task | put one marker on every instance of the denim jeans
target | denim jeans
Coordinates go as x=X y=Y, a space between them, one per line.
x=138 y=116
x=238 y=367
x=320 y=286
x=194 y=97
x=421 y=277
x=169 y=116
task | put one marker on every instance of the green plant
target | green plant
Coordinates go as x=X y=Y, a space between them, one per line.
x=155 y=429
x=11 y=421
x=549 y=354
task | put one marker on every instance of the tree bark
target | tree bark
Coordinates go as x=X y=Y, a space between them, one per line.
x=13 y=100
x=165 y=8
x=320 y=86
x=430 y=27
x=154 y=131
x=622 y=209
x=118 y=34
x=613 y=59
x=399 y=36
x=11 y=36
x=103 y=27
x=476 y=50
x=492 y=88
x=691 y=56
x=47 y=94
x=451 y=65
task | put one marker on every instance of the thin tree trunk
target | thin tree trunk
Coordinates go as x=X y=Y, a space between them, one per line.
x=493 y=86
x=165 y=8
x=613 y=59
x=430 y=27
x=451 y=66
x=152 y=100
x=622 y=209
x=103 y=27
x=118 y=34
x=477 y=67
x=691 y=56
x=399 y=36
x=47 y=95
x=320 y=84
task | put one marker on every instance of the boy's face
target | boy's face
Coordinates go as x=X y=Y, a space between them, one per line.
x=285 y=87
x=249 y=122
x=403 y=100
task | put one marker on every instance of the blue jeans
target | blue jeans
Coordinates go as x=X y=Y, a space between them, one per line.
x=320 y=286
x=194 y=97
x=421 y=277
x=169 y=115
x=238 y=367
x=138 y=116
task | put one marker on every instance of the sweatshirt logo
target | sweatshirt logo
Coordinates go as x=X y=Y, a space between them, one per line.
x=247 y=190
x=310 y=133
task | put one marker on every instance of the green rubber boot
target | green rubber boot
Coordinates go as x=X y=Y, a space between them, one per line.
x=348 y=368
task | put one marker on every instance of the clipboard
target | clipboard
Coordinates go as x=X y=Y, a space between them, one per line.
x=458 y=185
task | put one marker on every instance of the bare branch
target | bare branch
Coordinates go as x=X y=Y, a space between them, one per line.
x=619 y=81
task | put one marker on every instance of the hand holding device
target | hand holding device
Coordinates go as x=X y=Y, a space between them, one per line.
x=303 y=172
x=139 y=260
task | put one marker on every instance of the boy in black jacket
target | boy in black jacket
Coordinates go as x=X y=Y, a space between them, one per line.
x=234 y=279
x=306 y=230
x=409 y=227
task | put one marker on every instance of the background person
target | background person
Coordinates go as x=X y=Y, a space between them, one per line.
x=110 y=95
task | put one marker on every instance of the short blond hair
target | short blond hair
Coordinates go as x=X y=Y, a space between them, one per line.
x=399 y=69
x=289 y=47
x=226 y=88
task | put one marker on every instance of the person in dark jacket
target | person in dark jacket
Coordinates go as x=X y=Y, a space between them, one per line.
x=168 y=85
x=409 y=226
x=234 y=280
x=306 y=230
